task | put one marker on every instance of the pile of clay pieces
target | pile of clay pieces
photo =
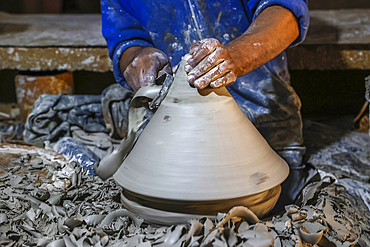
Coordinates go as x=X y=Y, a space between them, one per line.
x=45 y=201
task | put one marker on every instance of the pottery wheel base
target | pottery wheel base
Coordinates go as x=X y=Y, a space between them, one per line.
x=168 y=212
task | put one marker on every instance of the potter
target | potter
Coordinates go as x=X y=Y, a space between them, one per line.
x=235 y=46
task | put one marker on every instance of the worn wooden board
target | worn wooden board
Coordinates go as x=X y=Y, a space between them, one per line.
x=51 y=30
x=337 y=39
x=55 y=58
x=344 y=27
x=329 y=57
x=53 y=42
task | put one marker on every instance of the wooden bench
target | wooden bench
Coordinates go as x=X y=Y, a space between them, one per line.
x=337 y=40
x=53 y=42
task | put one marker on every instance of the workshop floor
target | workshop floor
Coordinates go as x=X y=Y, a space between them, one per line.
x=45 y=202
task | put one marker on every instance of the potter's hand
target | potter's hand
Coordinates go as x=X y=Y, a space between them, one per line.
x=140 y=66
x=268 y=35
x=210 y=64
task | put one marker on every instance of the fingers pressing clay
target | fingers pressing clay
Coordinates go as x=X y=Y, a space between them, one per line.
x=209 y=62
x=227 y=80
x=215 y=73
x=206 y=47
x=194 y=47
x=210 y=65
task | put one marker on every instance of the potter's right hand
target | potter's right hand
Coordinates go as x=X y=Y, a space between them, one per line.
x=140 y=66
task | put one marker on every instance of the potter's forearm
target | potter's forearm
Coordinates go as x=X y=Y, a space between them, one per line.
x=270 y=34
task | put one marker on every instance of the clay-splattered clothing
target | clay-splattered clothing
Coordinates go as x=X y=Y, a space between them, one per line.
x=264 y=95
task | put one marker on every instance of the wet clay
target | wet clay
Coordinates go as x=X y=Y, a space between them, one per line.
x=109 y=165
x=199 y=146
x=168 y=212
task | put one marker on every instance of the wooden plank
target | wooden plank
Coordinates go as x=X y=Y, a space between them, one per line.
x=51 y=30
x=53 y=42
x=347 y=27
x=329 y=57
x=350 y=26
x=337 y=39
x=55 y=58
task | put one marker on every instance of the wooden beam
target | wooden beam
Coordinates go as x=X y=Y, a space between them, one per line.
x=55 y=58
x=336 y=40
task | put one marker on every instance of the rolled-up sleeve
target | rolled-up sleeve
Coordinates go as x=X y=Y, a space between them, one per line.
x=299 y=8
x=121 y=31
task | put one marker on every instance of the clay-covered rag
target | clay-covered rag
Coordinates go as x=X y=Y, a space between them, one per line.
x=53 y=116
x=115 y=102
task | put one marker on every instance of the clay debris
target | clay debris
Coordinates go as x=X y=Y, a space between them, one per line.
x=88 y=212
x=326 y=217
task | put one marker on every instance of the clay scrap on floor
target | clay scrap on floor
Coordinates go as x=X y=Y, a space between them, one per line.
x=45 y=201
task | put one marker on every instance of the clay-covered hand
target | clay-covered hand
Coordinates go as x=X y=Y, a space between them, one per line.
x=140 y=66
x=210 y=64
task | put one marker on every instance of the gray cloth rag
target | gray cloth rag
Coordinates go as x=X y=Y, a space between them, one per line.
x=96 y=121
x=53 y=116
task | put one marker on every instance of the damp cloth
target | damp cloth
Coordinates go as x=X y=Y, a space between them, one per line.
x=56 y=119
x=53 y=116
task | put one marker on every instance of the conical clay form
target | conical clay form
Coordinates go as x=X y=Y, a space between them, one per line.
x=198 y=148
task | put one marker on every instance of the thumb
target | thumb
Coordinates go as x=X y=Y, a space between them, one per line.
x=166 y=69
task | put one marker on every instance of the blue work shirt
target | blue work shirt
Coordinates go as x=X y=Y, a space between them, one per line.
x=264 y=95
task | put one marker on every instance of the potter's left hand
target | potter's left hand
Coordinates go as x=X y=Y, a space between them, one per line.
x=210 y=64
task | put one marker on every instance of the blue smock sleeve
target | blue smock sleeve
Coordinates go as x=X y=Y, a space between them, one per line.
x=299 y=8
x=121 y=31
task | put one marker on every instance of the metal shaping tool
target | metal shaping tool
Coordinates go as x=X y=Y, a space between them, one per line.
x=142 y=107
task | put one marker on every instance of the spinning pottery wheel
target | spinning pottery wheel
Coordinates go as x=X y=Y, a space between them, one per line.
x=199 y=155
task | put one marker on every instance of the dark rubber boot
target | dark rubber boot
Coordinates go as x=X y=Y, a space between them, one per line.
x=299 y=176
